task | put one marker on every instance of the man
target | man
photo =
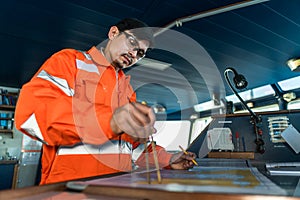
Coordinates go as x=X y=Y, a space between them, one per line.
x=80 y=105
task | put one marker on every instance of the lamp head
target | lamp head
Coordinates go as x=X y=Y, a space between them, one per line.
x=240 y=81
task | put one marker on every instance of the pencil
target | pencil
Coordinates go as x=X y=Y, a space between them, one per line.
x=186 y=153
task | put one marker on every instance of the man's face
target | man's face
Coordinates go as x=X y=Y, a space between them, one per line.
x=126 y=50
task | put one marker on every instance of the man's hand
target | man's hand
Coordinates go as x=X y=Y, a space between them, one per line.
x=135 y=119
x=182 y=161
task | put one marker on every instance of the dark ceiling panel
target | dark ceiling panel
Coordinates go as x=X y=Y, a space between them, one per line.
x=257 y=40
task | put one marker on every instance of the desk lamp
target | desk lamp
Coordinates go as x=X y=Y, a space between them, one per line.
x=241 y=83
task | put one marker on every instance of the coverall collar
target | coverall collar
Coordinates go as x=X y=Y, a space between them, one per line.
x=98 y=57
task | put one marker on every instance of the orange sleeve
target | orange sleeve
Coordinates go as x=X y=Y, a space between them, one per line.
x=51 y=103
x=163 y=157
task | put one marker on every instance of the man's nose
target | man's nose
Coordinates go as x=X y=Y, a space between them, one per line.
x=133 y=53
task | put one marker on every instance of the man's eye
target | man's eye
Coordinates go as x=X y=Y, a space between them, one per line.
x=141 y=53
x=132 y=41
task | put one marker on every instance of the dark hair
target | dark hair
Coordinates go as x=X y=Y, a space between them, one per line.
x=140 y=29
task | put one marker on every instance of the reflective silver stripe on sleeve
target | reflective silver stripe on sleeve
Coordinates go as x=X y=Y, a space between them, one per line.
x=59 y=82
x=87 y=67
x=31 y=127
x=110 y=147
x=136 y=153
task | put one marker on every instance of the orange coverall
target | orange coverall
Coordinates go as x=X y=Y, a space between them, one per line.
x=67 y=106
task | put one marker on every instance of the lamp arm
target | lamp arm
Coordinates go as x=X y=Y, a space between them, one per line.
x=253 y=115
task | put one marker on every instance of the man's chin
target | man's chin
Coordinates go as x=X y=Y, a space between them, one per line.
x=118 y=65
x=123 y=65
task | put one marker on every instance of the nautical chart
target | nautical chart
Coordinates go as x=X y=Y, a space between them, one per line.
x=243 y=180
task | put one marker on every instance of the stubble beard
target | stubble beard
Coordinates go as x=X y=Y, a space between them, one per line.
x=121 y=65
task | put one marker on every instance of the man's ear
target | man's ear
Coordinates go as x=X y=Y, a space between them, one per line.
x=113 y=32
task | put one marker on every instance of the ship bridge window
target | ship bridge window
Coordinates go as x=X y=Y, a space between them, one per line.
x=290 y=84
x=255 y=93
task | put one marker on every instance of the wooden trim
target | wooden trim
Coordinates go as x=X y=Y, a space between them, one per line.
x=153 y=194
x=7 y=107
x=135 y=193
x=6 y=131
x=232 y=155
x=8 y=162
x=30 y=191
